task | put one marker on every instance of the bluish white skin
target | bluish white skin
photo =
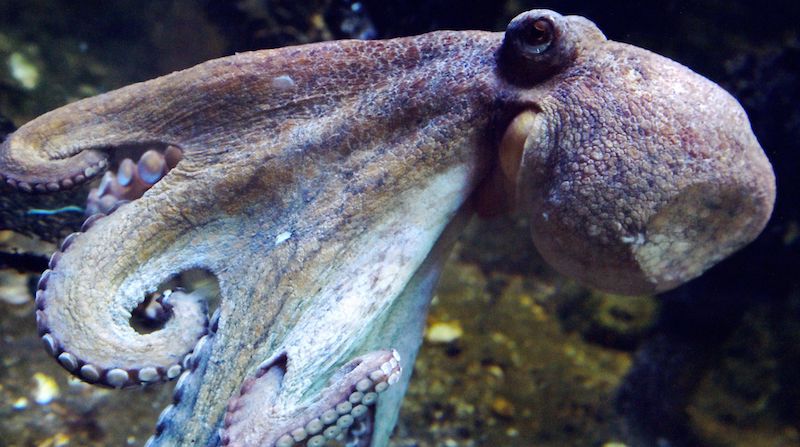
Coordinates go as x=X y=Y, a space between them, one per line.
x=321 y=185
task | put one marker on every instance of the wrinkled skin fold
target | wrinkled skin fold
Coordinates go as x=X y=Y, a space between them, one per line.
x=321 y=186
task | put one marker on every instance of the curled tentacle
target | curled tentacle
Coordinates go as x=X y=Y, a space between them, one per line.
x=157 y=357
x=123 y=369
x=64 y=174
x=88 y=328
x=62 y=152
x=315 y=222
x=133 y=169
x=258 y=416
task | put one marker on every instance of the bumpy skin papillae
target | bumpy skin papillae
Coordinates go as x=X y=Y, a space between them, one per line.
x=312 y=221
x=637 y=173
x=315 y=180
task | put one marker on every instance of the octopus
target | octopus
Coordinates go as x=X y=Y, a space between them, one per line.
x=321 y=185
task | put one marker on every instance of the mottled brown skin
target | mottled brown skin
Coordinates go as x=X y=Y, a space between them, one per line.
x=637 y=173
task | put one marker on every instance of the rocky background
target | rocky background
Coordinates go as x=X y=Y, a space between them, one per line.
x=515 y=355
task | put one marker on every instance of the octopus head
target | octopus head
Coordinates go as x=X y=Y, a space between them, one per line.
x=638 y=173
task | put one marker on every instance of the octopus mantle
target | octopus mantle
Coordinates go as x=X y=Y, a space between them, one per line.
x=320 y=187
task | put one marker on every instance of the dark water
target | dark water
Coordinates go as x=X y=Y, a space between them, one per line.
x=539 y=360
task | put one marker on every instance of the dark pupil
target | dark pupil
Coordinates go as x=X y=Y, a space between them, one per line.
x=539 y=33
x=536 y=36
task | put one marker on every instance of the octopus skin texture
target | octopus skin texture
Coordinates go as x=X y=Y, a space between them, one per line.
x=322 y=185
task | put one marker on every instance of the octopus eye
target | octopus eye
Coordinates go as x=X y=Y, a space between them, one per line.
x=534 y=35
x=536 y=46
